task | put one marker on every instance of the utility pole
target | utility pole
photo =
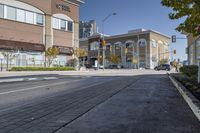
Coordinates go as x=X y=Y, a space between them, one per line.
x=103 y=41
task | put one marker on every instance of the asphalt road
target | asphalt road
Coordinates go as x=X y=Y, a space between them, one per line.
x=95 y=104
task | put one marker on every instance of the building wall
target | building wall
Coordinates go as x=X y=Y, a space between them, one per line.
x=22 y=35
x=16 y=31
x=62 y=38
x=193 y=49
x=141 y=43
x=163 y=46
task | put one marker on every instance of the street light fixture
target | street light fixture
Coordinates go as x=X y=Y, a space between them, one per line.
x=103 y=41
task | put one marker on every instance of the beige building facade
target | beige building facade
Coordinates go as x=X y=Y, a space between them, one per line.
x=138 y=48
x=193 y=49
x=28 y=27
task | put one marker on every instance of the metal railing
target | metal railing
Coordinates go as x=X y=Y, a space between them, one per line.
x=6 y=65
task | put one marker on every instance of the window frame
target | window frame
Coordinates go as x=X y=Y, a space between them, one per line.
x=63 y=28
x=36 y=22
x=3 y=11
x=68 y=26
x=15 y=13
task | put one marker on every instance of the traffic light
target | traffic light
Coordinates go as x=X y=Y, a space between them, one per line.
x=173 y=38
x=174 y=51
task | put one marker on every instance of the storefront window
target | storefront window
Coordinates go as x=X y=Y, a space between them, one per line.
x=1 y=11
x=11 y=13
x=63 y=25
x=39 y=19
x=20 y=15
x=70 y=26
x=29 y=17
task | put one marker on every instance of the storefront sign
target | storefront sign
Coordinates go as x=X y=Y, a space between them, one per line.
x=63 y=7
x=65 y=50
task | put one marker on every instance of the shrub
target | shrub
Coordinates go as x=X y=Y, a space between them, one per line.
x=190 y=71
x=42 y=69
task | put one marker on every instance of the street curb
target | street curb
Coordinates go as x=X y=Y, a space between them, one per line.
x=25 y=79
x=192 y=101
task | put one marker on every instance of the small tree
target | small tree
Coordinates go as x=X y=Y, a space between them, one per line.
x=114 y=59
x=80 y=53
x=51 y=54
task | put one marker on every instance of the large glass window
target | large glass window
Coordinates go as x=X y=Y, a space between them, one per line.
x=70 y=26
x=154 y=44
x=39 y=19
x=63 y=25
x=11 y=13
x=29 y=17
x=55 y=23
x=1 y=11
x=20 y=15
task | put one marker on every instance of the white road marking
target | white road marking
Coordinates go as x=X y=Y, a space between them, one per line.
x=11 y=80
x=50 y=78
x=32 y=88
x=31 y=79
x=54 y=84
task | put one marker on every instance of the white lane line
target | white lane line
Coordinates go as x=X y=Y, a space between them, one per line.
x=50 y=78
x=11 y=80
x=31 y=79
x=32 y=88
x=36 y=87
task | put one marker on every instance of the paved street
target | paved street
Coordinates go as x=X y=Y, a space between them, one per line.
x=115 y=102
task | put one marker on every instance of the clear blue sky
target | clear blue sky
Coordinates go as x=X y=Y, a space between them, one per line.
x=133 y=14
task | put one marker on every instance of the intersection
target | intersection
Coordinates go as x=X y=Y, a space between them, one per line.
x=128 y=101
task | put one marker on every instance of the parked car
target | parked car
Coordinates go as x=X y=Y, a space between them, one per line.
x=114 y=67
x=163 y=67
x=100 y=66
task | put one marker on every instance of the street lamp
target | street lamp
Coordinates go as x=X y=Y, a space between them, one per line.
x=103 y=41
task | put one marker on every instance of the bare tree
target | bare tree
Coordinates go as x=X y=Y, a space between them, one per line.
x=8 y=56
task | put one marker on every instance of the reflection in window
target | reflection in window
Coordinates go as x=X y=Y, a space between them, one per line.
x=20 y=15
x=63 y=25
x=70 y=26
x=11 y=13
x=39 y=19
x=29 y=17
x=55 y=23
x=1 y=11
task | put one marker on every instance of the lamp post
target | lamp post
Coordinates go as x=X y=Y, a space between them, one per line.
x=103 y=41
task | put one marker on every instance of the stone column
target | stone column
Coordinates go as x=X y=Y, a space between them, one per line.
x=48 y=33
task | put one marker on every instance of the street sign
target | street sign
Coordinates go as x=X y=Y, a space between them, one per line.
x=173 y=38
